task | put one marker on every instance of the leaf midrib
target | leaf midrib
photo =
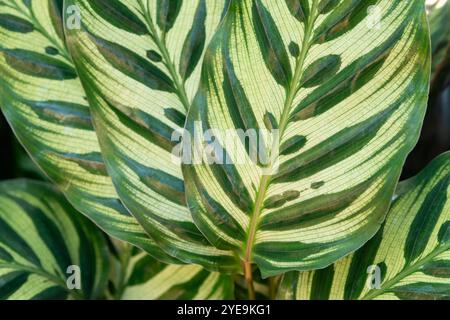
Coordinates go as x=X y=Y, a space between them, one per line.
x=293 y=89
x=40 y=29
x=406 y=272
x=160 y=43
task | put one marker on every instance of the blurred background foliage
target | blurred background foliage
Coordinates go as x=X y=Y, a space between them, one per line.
x=435 y=136
x=434 y=139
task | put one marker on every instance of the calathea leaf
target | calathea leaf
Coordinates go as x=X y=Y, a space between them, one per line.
x=42 y=99
x=345 y=84
x=140 y=82
x=148 y=279
x=409 y=258
x=47 y=249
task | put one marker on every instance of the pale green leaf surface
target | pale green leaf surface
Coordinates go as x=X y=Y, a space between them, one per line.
x=412 y=250
x=44 y=102
x=139 y=62
x=41 y=235
x=348 y=98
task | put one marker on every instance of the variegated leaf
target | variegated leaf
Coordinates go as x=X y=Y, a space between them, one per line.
x=45 y=244
x=345 y=83
x=139 y=62
x=149 y=279
x=410 y=254
x=42 y=98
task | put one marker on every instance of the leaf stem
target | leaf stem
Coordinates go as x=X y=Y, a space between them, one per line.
x=249 y=280
x=124 y=257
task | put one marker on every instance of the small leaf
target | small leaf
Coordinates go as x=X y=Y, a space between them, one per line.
x=41 y=238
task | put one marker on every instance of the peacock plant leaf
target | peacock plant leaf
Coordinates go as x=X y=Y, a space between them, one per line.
x=44 y=102
x=149 y=279
x=139 y=62
x=44 y=243
x=342 y=86
x=410 y=255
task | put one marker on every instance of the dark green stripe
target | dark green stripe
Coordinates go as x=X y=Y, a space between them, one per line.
x=271 y=44
x=423 y=291
x=48 y=232
x=187 y=290
x=357 y=274
x=321 y=283
x=63 y=113
x=55 y=8
x=425 y=220
x=15 y=24
x=299 y=9
x=38 y=65
x=133 y=65
x=167 y=13
x=344 y=18
x=439 y=269
x=195 y=43
x=168 y=186
x=12 y=240
x=218 y=215
x=91 y=162
x=144 y=270
x=320 y=71
x=11 y=282
x=52 y=293
x=118 y=14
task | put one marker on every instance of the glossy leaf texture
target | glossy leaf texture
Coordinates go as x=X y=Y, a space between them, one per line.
x=139 y=62
x=346 y=84
x=45 y=104
x=150 y=279
x=411 y=252
x=41 y=238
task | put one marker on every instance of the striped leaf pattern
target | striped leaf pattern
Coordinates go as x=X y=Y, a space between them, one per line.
x=139 y=62
x=41 y=236
x=345 y=83
x=149 y=279
x=411 y=251
x=42 y=98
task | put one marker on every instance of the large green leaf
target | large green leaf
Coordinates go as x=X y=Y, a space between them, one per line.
x=41 y=236
x=347 y=94
x=149 y=279
x=139 y=62
x=42 y=98
x=412 y=250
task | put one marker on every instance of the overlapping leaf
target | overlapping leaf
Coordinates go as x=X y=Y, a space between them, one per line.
x=345 y=83
x=42 y=98
x=139 y=62
x=41 y=236
x=411 y=251
x=149 y=279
